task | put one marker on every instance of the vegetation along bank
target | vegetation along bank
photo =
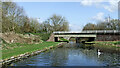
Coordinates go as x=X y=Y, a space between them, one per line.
x=112 y=46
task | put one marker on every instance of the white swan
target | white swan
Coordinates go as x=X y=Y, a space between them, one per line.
x=99 y=53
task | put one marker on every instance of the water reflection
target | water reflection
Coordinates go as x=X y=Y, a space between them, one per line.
x=72 y=55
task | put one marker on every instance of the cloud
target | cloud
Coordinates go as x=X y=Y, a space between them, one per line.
x=99 y=17
x=90 y=2
x=75 y=27
x=111 y=6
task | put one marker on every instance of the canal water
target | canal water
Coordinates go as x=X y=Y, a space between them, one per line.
x=72 y=54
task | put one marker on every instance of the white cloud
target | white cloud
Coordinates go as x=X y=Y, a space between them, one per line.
x=75 y=27
x=99 y=17
x=111 y=6
x=90 y=2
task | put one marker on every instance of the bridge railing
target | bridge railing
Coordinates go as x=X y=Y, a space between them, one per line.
x=90 y=31
x=101 y=31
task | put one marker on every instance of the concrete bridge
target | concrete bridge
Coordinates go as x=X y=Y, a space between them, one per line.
x=91 y=35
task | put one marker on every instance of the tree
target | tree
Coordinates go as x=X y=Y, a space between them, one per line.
x=113 y=24
x=101 y=26
x=12 y=17
x=118 y=25
x=35 y=25
x=57 y=23
x=26 y=27
x=90 y=26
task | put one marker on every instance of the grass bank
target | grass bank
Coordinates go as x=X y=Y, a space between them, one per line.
x=62 y=39
x=24 y=48
x=107 y=45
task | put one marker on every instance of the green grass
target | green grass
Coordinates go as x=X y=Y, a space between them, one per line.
x=11 y=46
x=117 y=43
x=109 y=42
x=108 y=45
x=111 y=45
x=26 y=48
x=112 y=42
x=62 y=39
x=90 y=42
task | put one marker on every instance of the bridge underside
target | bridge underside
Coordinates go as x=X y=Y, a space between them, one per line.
x=90 y=37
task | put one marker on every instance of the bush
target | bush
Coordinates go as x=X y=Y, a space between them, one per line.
x=117 y=43
x=44 y=36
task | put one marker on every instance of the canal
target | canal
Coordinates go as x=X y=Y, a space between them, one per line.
x=72 y=54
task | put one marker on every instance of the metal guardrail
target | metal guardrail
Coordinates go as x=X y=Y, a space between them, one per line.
x=90 y=31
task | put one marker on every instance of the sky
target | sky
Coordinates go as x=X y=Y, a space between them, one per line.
x=78 y=14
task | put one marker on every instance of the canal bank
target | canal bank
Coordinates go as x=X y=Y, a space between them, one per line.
x=113 y=46
x=108 y=45
x=111 y=43
x=25 y=52
x=72 y=54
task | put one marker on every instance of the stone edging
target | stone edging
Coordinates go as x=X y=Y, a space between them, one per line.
x=26 y=55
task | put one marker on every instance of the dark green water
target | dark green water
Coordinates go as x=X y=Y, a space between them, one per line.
x=72 y=54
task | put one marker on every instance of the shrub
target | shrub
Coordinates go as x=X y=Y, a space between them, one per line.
x=44 y=36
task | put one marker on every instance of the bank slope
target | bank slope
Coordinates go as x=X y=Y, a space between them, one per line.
x=27 y=48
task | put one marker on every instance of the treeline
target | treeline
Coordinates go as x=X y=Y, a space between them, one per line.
x=14 y=19
x=113 y=24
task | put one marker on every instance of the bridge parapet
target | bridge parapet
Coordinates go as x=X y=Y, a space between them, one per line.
x=88 y=31
x=101 y=31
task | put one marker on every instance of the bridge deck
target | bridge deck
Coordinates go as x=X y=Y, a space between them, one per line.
x=88 y=31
